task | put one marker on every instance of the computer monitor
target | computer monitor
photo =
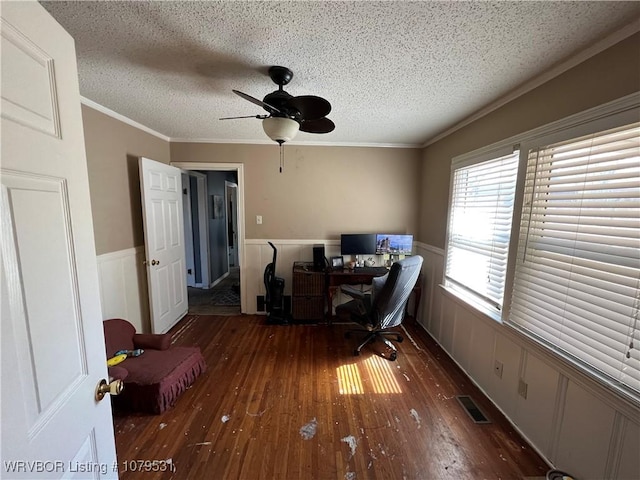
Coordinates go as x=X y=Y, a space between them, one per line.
x=358 y=244
x=393 y=244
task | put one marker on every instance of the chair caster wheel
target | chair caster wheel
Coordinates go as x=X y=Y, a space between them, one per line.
x=356 y=353
x=393 y=356
x=400 y=339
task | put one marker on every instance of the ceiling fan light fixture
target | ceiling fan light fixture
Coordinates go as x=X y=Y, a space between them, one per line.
x=280 y=129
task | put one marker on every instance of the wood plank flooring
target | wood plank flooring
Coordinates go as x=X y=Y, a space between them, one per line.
x=292 y=402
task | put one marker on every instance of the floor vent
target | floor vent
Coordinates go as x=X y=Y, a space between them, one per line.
x=472 y=409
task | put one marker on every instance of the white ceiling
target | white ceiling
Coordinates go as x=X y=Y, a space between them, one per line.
x=396 y=73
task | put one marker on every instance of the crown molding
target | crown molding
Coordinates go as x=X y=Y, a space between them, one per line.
x=133 y=123
x=294 y=143
x=583 y=55
x=122 y=118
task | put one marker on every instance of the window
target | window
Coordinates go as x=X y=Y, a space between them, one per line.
x=576 y=285
x=482 y=197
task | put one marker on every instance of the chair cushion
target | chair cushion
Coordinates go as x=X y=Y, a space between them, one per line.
x=158 y=377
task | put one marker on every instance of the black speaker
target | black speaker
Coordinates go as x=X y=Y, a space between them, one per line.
x=318 y=257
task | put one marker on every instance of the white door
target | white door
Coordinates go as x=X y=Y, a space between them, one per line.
x=232 y=222
x=188 y=230
x=202 y=215
x=52 y=342
x=161 y=187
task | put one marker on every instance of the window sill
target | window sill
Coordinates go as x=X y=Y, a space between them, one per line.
x=470 y=303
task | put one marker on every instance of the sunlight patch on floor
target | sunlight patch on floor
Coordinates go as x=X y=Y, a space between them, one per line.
x=349 y=381
x=380 y=377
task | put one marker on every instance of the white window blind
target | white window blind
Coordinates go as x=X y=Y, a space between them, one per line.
x=479 y=227
x=577 y=274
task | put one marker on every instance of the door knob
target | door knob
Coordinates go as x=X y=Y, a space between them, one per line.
x=155 y=262
x=113 y=388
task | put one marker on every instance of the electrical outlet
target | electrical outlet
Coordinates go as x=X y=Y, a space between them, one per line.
x=497 y=368
x=522 y=389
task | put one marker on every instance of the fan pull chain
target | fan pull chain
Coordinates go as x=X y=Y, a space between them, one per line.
x=281 y=156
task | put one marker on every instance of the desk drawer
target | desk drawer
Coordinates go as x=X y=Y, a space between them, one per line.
x=308 y=283
x=307 y=308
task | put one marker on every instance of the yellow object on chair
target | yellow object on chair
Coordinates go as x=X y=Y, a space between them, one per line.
x=116 y=360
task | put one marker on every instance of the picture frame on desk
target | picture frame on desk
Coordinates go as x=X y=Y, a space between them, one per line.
x=337 y=263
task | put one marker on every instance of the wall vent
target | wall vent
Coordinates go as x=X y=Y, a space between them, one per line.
x=472 y=409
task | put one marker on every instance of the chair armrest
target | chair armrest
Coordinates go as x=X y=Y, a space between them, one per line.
x=153 y=341
x=117 y=373
x=353 y=292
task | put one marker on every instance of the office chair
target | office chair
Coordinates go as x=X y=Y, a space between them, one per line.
x=384 y=307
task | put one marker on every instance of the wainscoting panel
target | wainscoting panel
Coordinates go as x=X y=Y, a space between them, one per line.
x=587 y=426
x=462 y=332
x=504 y=389
x=481 y=366
x=123 y=287
x=447 y=324
x=534 y=414
x=627 y=465
x=430 y=304
x=576 y=423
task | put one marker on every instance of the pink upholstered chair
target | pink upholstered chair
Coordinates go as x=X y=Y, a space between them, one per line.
x=154 y=380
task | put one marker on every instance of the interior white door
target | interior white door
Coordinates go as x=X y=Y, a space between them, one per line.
x=202 y=213
x=232 y=222
x=161 y=187
x=52 y=341
x=188 y=229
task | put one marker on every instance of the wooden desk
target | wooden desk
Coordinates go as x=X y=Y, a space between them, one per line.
x=335 y=278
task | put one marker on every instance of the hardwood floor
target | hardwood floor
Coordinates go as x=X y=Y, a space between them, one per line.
x=292 y=402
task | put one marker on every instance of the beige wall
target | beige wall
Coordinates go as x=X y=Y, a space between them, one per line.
x=323 y=191
x=113 y=148
x=607 y=76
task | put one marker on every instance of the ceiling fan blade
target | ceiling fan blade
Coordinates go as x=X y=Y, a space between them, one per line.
x=310 y=106
x=260 y=103
x=321 y=125
x=261 y=117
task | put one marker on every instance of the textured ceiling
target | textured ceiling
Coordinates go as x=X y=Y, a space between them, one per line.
x=396 y=73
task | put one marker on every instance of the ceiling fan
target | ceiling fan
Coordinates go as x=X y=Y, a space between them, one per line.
x=288 y=114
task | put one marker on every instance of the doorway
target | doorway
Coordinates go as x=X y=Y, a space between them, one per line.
x=213 y=205
x=231 y=202
x=196 y=229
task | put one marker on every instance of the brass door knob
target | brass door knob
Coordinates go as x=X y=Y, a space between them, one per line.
x=113 y=388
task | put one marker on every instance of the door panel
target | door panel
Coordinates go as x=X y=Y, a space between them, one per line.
x=50 y=296
x=52 y=343
x=161 y=187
